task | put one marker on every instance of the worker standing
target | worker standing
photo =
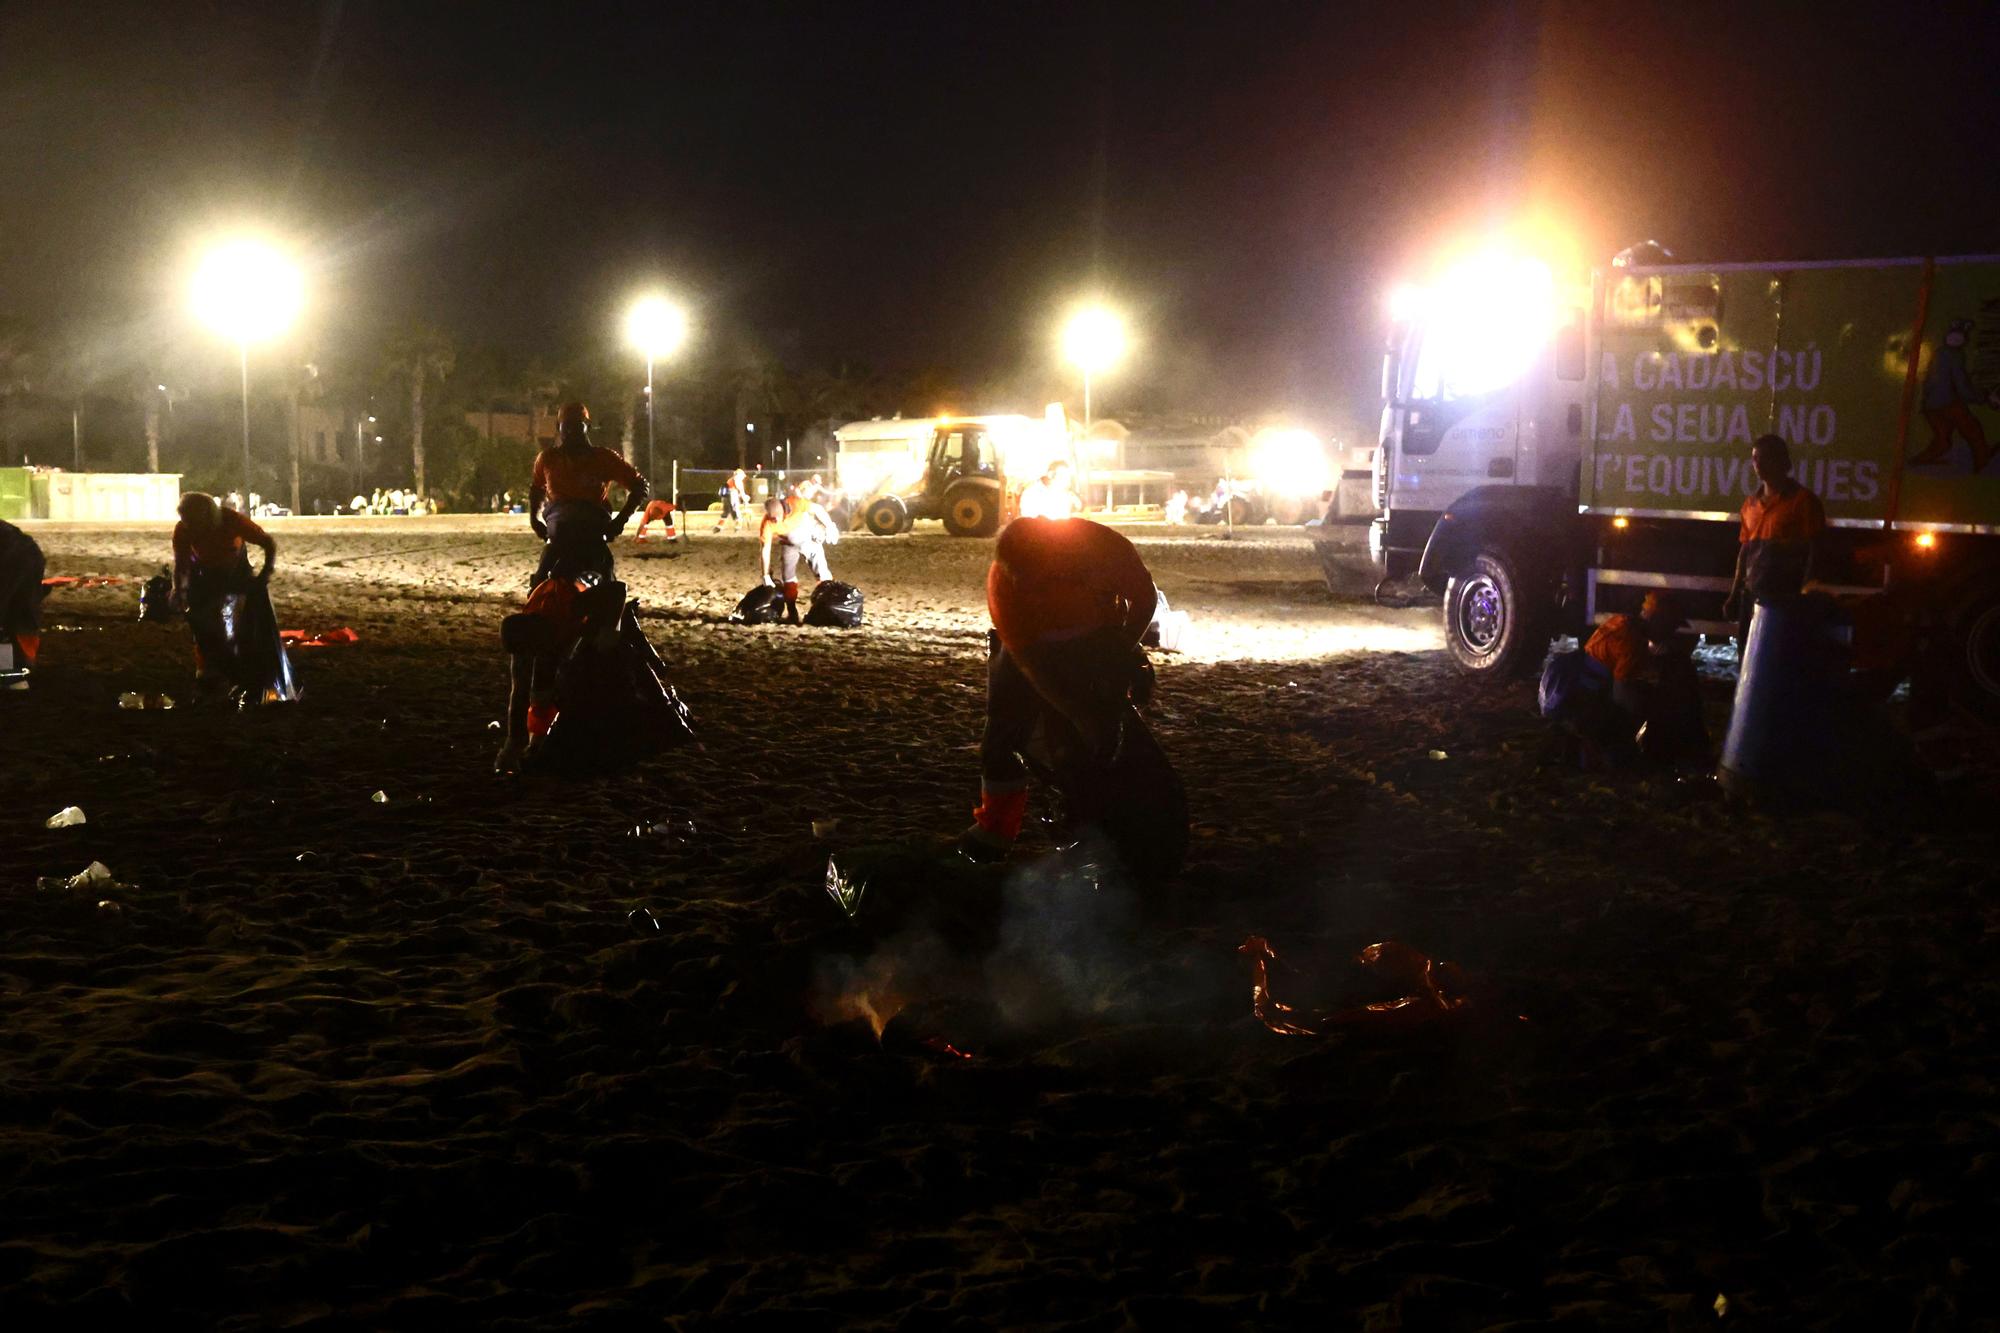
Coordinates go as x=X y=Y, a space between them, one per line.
x=1782 y=524
x=1069 y=600
x=211 y=563
x=568 y=496
x=734 y=501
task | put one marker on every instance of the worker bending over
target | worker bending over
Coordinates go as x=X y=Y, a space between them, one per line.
x=1069 y=600
x=798 y=528
x=211 y=563
x=1051 y=495
x=568 y=497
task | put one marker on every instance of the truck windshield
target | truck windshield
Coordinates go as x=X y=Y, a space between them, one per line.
x=1456 y=361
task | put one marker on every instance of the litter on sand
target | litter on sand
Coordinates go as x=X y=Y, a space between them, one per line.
x=299 y=638
x=134 y=701
x=380 y=798
x=846 y=893
x=94 y=876
x=67 y=817
x=1437 y=990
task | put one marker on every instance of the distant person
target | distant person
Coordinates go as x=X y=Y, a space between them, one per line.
x=1069 y=600
x=659 y=511
x=569 y=496
x=1782 y=525
x=797 y=533
x=1177 y=507
x=1051 y=495
x=735 y=499
x=21 y=570
x=211 y=562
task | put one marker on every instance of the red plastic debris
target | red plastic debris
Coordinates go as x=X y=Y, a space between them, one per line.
x=299 y=638
x=1438 y=991
x=83 y=581
x=943 y=1047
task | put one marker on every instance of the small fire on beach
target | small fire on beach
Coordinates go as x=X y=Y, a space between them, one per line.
x=870 y=993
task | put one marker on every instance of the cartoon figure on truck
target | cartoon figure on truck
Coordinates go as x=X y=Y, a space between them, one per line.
x=1553 y=450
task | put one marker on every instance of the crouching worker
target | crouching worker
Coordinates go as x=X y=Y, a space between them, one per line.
x=536 y=639
x=587 y=692
x=212 y=564
x=1653 y=704
x=1069 y=600
x=569 y=497
x=21 y=570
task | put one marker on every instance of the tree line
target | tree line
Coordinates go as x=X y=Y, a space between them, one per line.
x=437 y=401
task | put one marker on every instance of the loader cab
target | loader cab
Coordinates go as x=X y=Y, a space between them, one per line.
x=960 y=450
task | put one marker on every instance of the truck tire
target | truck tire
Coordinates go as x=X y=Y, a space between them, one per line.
x=886 y=516
x=1491 y=626
x=1976 y=677
x=971 y=511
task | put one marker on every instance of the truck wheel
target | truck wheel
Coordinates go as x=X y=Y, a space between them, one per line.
x=1288 y=511
x=886 y=516
x=1977 y=679
x=971 y=511
x=1489 y=626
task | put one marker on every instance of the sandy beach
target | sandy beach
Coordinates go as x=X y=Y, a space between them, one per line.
x=499 y=1053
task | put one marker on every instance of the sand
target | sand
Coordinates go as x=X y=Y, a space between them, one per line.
x=343 y=1063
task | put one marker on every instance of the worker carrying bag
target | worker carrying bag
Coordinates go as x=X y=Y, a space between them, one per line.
x=835 y=605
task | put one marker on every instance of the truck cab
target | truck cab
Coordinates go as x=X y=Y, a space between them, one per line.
x=1486 y=412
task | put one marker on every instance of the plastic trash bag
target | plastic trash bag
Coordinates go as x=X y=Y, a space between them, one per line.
x=835 y=605
x=262 y=669
x=762 y=605
x=156 y=598
x=614 y=703
x=1567 y=678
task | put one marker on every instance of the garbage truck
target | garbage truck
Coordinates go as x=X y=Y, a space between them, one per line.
x=967 y=471
x=1554 y=447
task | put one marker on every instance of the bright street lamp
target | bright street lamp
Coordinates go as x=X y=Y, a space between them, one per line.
x=656 y=328
x=247 y=291
x=1093 y=340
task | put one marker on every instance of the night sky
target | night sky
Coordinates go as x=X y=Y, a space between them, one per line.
x=916 y=185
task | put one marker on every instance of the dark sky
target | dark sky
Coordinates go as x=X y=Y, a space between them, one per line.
x=923 y=184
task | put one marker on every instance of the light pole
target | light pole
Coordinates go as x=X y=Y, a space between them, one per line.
x=656 y=328
x=358 y=423
x=1093 y=340
x=247 y=291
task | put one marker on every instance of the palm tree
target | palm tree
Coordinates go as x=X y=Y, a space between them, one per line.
x=306 y=387
x=423 y=353
x=759 y=382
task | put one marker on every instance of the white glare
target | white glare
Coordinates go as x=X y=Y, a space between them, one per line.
x=247 y=291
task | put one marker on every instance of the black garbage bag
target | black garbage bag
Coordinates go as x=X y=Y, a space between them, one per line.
x=156 y=598
x=762 y=605
x=259 y=666
x=615 y=706
x=835 y=605
x=1135 y=804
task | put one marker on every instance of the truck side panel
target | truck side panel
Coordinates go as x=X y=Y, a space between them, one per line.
x=1696 y=364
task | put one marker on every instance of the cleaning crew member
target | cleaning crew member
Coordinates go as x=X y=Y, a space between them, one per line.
x=798 y=528
x=1651 y=684
x=1069 y=601
x=734 y=501
x=658 y=511
x=211 y=563
x=21 y=570
x=1051 y=495
x=568 y=504
x=1782 y=523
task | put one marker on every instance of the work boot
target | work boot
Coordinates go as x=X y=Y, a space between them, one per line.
x=791 y=612
x=982 y=847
